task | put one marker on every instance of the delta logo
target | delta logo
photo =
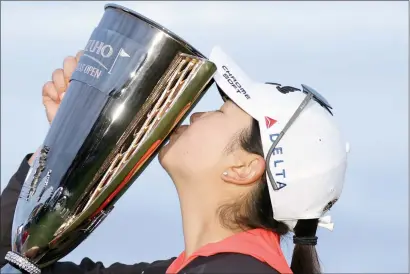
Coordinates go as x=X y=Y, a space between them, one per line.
x=269 y=122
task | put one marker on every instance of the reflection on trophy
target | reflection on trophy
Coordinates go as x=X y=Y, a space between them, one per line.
x=135 y=82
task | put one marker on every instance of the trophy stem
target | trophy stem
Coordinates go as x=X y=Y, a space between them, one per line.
x=21 y=263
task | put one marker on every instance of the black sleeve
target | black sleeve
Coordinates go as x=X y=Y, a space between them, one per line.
x=8 y=201
x=87 y=266
x=229 y=263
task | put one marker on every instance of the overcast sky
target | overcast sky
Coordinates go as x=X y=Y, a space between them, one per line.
x=354 y=53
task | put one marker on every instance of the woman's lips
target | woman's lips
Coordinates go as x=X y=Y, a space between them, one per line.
x=178 y=132
x=181 y=129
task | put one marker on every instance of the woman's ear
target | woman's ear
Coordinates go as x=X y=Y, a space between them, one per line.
x=247 y=172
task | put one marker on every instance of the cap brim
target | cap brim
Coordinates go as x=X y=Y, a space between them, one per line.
x=233 y=83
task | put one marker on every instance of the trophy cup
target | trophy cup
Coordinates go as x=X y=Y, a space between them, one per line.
x=135 y=82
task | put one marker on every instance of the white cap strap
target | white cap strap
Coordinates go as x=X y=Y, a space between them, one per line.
x=326 y=222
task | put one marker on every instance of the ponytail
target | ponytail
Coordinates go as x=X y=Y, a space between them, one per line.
x=304 y=258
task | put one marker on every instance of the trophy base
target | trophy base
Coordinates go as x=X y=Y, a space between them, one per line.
x=22 y=263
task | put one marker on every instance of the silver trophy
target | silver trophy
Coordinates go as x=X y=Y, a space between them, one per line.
x=135 y=82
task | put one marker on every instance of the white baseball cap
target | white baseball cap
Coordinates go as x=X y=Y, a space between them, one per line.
x=308 y=165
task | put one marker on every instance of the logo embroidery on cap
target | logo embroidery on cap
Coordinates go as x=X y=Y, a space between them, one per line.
x=231 y=79
x=316 y=96
x=269 y=121
x=284 y=89
x=278 y=163
x=329 y=205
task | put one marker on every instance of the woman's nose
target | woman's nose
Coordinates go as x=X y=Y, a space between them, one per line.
x=195 y=116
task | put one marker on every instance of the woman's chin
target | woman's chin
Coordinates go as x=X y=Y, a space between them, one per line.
x=166 y=150
x=161 y=155
x=166 y=158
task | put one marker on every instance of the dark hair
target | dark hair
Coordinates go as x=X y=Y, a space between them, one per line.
x=255 y=211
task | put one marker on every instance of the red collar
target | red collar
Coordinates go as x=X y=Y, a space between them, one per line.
x=261 y=244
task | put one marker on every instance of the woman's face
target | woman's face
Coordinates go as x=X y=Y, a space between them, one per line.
x=209 y=146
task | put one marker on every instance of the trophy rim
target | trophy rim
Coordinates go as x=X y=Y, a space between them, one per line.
x=168 y=32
